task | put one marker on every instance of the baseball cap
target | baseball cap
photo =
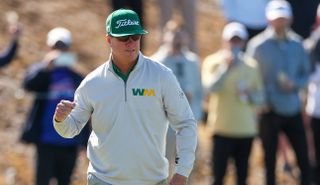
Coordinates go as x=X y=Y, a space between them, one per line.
x=234 y=29
x=278 y=9
x=124 y=22
x=59 y=34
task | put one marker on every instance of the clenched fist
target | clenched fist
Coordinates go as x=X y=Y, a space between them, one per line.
x=63 y=109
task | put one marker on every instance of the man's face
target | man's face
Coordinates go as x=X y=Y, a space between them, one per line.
x=235 y=42
x=125 y=48
x=280 y=23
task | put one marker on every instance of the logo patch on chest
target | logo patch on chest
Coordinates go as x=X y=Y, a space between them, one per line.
x=143 y=92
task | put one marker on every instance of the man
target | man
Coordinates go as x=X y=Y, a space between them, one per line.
x=51 y=80
x=130 y=100
x=234 y=87
x=285 y=69
x=175 y=54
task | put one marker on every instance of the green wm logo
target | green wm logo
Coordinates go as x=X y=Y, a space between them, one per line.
x=143 y=92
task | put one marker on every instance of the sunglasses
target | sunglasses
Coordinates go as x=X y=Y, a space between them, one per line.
x=126 y=38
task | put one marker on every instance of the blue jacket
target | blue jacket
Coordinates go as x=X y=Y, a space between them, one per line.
x=37 y=81
x=7 y=56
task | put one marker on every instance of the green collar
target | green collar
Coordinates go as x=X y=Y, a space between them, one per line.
x=124 y=77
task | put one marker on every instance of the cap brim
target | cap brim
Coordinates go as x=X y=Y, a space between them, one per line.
x=276 y=15
x=137 y=32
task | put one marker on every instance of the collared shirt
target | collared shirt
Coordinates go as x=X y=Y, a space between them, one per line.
x=277 y=59
x=123 y=76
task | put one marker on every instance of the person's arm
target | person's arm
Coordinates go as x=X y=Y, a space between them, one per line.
x=257 y=96
x=36 y=78
x=302 y=78
x=182 y=121
x=197 y=95
x=7 y=55
x=213 y=74
x=70 y=117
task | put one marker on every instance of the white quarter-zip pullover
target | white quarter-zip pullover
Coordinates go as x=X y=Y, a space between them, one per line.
x=129 y=123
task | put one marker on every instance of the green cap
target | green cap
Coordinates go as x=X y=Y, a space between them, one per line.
x=124 y=22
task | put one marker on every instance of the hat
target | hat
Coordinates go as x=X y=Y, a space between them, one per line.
x=277 y=9
x=234 y=29
x=59 y=34
x=124 y=22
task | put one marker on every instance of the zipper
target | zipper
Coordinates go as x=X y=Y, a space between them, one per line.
x=125 y=91
x=125 y=85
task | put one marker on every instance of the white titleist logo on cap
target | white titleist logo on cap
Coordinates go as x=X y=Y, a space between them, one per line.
x=125 y=22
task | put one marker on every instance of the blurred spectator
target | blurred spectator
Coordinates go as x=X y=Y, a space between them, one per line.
x=175 y=54
x=250 y=13
x=313 y=112
x=285 y=70
x=14 y=27
x=187 y=9
x=304 y=13
x=51 y=80
x=234 y=86
x=312 y=44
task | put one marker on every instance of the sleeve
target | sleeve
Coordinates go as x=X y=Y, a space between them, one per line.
x=182 y=121
x=301 y=79
x=36 y=78
x=257 y=96
x=316 y=51
x=7 y=56
x=251 y=50
x=78 y=117
x=197 y=95
x=213 y=75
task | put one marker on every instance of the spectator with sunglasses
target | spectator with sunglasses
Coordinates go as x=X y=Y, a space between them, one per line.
x=130 y=100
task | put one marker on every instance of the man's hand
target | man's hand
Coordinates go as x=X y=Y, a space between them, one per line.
x=50 y=57
x=288 y=86
x=63 y=109
x=178 y=180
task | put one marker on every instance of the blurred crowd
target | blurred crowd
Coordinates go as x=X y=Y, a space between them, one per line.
x=263 y=83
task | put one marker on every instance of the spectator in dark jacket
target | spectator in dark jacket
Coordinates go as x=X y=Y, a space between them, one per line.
x=51 y=80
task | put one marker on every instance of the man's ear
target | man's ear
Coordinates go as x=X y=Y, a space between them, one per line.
x=108 y=39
